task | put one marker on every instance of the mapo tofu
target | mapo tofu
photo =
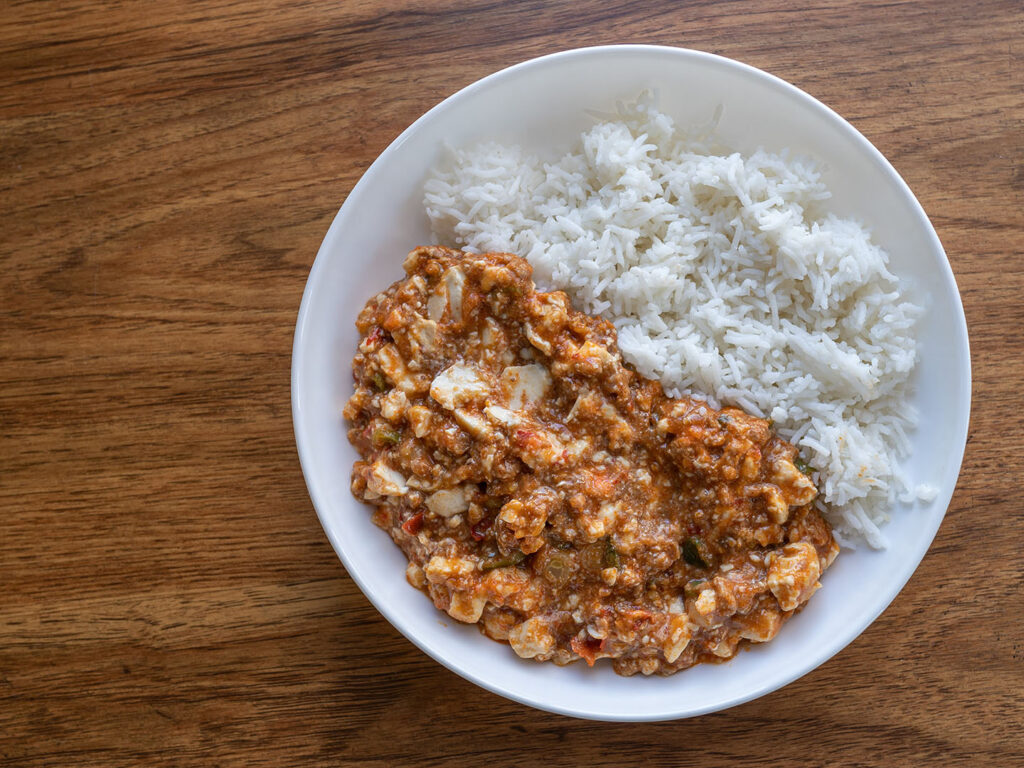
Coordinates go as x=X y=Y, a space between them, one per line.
x=543 y=490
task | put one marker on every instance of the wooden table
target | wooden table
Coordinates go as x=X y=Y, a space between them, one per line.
x=167 y=596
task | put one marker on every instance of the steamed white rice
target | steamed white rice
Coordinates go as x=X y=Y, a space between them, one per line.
x=725 y=279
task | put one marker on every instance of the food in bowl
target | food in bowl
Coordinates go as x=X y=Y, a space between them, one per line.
x=726 y=279
x=544 y=490
x=538 y=104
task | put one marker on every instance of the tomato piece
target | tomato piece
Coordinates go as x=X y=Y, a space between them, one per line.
x=413 y=525
x=587 y=649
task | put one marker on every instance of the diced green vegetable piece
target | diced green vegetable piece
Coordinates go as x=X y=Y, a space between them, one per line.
x=379 y=382
x=611 y=557
x=502 y=561
x=802 y=465
x=386 y=436
x=691 y=553
x=693 y=587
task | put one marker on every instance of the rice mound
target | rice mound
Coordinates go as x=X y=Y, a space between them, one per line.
x=725 y=280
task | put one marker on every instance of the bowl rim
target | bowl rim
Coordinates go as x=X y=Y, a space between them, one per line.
x=495 y=79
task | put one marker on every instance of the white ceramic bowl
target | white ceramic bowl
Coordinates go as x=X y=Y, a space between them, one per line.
x=544 y=100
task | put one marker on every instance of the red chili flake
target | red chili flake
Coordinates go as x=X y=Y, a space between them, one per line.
x=376 y=337
x=587 y=649
x=413 y=524
x=479 y=531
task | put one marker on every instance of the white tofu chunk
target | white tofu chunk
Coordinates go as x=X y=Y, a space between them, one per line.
x=532 y=638
x=454 y=281
x=447 y=502
x=423 y=334
x=458 y=385
x=447 y=294
x=394 y=367
x=793 y=574
x=537 y=340
x=466 y=608
x=526 y=384
x=502 y=416
x=475 y=425
x=435 y=307
x=679 y=634
x=393 y=405
x=441 y=569
x=385 y=481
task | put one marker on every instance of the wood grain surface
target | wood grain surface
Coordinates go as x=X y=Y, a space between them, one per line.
x=167 y=171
